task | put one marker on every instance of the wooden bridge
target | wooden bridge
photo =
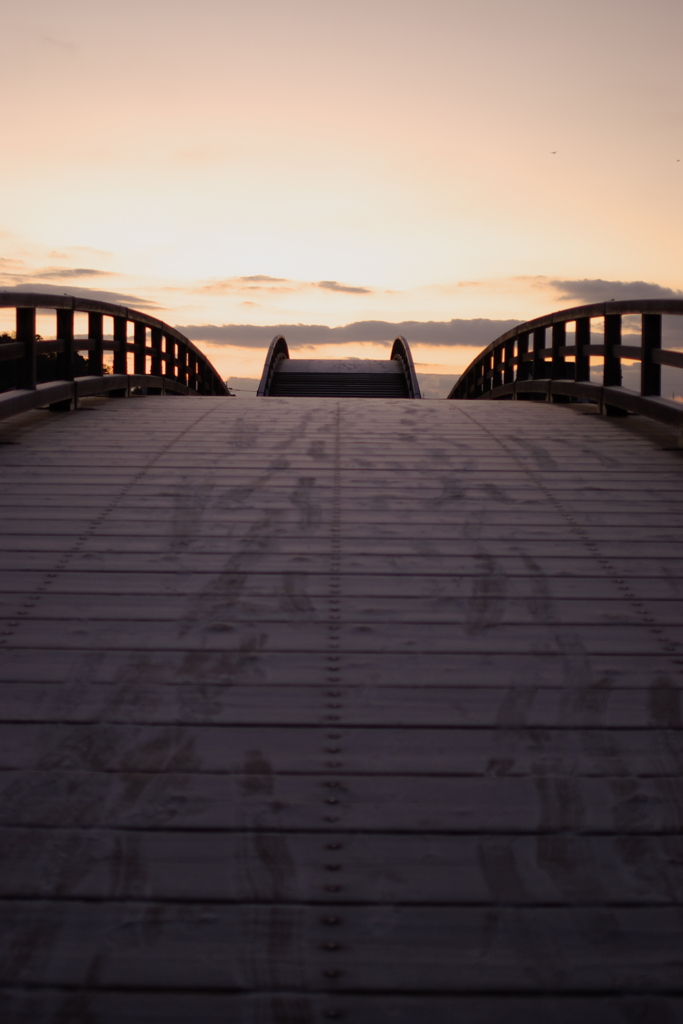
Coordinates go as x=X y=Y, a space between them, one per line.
x=338 y=709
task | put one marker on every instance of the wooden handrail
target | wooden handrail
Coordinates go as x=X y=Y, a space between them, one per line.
x=520 y=363
x=174 y=359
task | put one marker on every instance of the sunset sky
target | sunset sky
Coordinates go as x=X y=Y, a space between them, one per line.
x=280 y=163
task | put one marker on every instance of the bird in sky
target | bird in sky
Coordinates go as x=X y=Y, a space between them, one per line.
x=553 y=152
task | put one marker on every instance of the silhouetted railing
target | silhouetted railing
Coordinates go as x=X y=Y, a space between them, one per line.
x=521 y=363
x=164 y=360
x=400 y=353
x=276 y=353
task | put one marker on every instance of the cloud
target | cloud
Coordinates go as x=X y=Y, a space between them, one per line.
x=53 y=273
x=134 y=301
x=262 y=279
x=477 y=333
x=334 y=286
x=252 y=283
x=596 y=290
x=266 y=283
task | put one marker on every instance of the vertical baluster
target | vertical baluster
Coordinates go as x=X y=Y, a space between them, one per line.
x=496 y=377
x=65 y=334
x=539 y=369
x=611 y=377
x=156 y=351
x=120 y=344
x=182 y=362
x=140 y=340
x=508 y=356
x=612 y=372
x=582 y=370
x=96 y=339
x=168 y=354
x=523 y=367
x=26 y=334
x=558 y=369
x=651 y=372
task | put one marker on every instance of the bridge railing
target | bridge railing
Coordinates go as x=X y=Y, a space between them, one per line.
x=277 y=351
x=164 y=360
x=401 y=352
x=521 y=363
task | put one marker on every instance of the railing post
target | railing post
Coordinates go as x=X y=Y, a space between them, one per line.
x=120 y=344
x=558 y=367
x=651 y=372
x=156 y=351
x=496 y=377
x=523 y=367
x=508 y=356
x=140 y=340
x=26 y=334
x=611 y=377
x=96 y=338
x=582 y=370
x=167 y=356
x=65 y=334
x=175 y=360
x=539 y=370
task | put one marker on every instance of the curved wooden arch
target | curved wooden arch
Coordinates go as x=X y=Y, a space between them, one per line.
x=176 y=365
x=277 y=351
x=401 y=351
x=519 y=363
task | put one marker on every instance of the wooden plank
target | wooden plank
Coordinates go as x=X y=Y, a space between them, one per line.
x=439 y=949
x=524 y=674
x=219 y=632
x=27 y=1006
x=477 y=607
x=252 y=557
x=142 y=700
x=435 y=751
x=389 y=590
x=343 y=867
x=390 y=549
x=263 y=800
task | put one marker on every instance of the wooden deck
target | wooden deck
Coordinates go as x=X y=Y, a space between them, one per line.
x=340 y=709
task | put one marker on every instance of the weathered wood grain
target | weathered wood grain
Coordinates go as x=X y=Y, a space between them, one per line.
x=291 y=1007
x=259 y=798
x=343 y=867
x=170 y=701
x=332 y=709
x=435 y=751
x=383 y=948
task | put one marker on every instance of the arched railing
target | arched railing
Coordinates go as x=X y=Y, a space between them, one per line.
x=401 y=352
x=164 y=360
x=521 y=363
x=276 y=353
